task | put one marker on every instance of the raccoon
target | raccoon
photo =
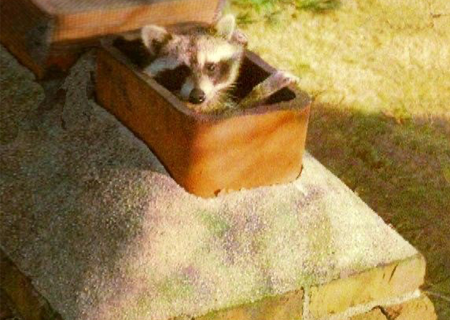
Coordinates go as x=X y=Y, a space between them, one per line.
x=199 y=64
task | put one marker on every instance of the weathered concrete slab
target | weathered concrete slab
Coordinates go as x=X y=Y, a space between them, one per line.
x=93 y=219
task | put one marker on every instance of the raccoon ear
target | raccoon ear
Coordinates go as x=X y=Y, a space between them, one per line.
x=240 y=38
x=154 y=37
x=225 y=26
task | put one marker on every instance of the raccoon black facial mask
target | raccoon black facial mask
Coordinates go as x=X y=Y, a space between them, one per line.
x=200 y=65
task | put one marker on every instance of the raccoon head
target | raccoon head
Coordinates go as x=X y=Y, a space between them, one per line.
x=203 y=62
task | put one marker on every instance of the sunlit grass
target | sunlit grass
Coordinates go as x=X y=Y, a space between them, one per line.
x=270 y=10
x=378 y=55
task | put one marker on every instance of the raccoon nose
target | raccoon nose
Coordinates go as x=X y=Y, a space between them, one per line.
x=197 y=96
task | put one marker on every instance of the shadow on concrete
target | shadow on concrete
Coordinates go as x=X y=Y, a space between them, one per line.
x=68 y=171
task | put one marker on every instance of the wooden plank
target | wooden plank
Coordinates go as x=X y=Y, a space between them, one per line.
x=205 y=153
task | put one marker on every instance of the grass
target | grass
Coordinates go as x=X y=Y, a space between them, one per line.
x=380 y=75
x=270 y=10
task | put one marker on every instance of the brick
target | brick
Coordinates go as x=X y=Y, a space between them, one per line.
x=271 y=138
x=29 y=303
x=287 y=307
x=375 y=284
x=374 y=314
x=418 y=309
x=5 y=306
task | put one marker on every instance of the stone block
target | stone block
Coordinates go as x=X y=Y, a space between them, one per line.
x=378 y=283
x=287 y=307
x=19 y=289
x=417 y=309
x=374 y=314
x=6 y=306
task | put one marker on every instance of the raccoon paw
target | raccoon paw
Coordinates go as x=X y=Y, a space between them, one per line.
x=281 y=79
x=276 y=82
x=262 y=91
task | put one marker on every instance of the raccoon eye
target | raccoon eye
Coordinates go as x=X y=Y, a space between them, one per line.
x=211 y=67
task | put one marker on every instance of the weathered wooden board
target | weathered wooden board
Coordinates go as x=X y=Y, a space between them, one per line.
x=46 y=35
x=208 y=153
